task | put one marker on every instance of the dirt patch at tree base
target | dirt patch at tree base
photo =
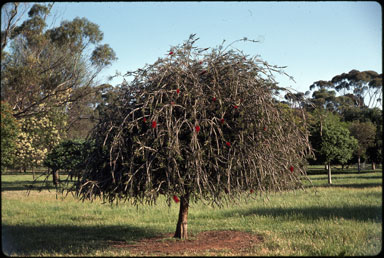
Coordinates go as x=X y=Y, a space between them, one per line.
x=233 y=242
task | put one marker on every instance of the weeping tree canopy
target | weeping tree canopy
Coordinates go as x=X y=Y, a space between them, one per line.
x=201 y=123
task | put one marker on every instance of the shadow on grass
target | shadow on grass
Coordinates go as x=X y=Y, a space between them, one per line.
x=349 y=185
x=340 y=185
x=360 y=213
x=67 y=240
x=348 y=177
x=339 y=172
x=26 y=185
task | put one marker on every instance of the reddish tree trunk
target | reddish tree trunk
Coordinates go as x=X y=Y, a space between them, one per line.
x=182 y=226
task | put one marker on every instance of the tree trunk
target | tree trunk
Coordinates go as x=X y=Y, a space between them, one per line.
x=373 y=165
x=55 y=177
x=329 y=174
x=358 y=164
x=182 y=226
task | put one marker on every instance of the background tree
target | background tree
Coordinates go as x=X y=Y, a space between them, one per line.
x=10 y=129
x=45 y=63
x=360 y=85
x=83 y=114
x=38 y=135
x=47 y=72
x=332 y=142
x=345 y=96
x=196 y=126
x=11 y=13
x=68 y=156
x=365 y=134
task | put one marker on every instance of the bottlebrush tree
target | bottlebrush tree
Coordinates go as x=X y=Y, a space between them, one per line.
x=196 y=125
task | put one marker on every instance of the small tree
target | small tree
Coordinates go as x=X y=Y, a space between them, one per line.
x=70 y=156
x=365 y=134
x=196 y=126
x=332 y=142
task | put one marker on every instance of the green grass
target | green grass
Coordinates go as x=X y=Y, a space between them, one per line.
x=342 y=219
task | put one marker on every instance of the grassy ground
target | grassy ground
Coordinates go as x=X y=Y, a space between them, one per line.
x=342 y=219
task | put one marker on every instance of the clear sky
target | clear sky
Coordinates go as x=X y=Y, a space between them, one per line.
x=315 y=40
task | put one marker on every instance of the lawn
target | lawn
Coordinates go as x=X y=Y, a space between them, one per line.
x=342 y=219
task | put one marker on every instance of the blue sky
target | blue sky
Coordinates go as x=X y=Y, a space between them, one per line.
x=315 y=40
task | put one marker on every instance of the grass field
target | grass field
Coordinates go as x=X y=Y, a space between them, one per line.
x=342 y=219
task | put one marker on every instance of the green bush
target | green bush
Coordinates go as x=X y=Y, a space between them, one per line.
x=9 y=132
x=69 y=155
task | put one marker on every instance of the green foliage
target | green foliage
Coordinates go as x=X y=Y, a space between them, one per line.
x=331 y=140
x=69 y=155
x=375 y=151
x=365 y=134
x=9 y=131
x=103 y=55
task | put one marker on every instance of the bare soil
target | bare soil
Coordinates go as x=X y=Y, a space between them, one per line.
x=222 y=242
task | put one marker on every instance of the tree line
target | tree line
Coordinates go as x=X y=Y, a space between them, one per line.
x=50 y=95
x=346 y=118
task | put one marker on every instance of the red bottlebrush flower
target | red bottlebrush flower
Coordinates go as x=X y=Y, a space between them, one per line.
x=144 y=119
x=177 y=91
x=235 y=106
x=176 y=199
x=228 y=144
x=197 y=128
x=171 y=53
x=154 y=124
x=291 y=168
x=251 y=191
x=201 y=62
x=265 y=128
x=222 y=120
x=172 y=103
x=213 y=99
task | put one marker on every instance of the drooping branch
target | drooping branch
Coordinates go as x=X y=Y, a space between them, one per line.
x=204 y=124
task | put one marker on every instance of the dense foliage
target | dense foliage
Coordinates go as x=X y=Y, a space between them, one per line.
x=9 y=132
x=333 y=144
x=69 y=155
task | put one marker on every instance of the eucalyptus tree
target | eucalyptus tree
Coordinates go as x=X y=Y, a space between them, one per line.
x=46 y=71
x=44 y=66
x=361 y=85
